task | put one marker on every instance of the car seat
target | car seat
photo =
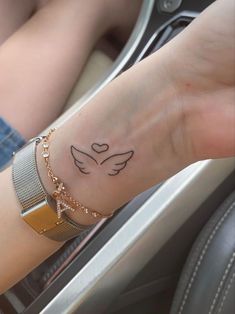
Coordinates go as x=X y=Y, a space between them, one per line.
x=207 y=283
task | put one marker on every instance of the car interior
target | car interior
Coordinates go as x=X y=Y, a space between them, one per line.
x=169 y=250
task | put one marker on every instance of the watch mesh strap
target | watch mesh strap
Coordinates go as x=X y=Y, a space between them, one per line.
x=66 y=231
x=38 y=208
x=28 y=186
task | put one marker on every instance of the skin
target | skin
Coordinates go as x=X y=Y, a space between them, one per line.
x=168 y=120
x=48 y=54
x=13 y=14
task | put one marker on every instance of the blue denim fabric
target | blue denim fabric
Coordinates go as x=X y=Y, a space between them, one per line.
x=10 y=141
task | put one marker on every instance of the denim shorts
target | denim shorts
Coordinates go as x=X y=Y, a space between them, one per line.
x=10 y=141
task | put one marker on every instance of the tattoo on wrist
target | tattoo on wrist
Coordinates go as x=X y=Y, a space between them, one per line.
x=111 y=165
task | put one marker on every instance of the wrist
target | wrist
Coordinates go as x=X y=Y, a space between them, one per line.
x=56 y=187
x=189 y=137
x=146 y=122
x=179 y=105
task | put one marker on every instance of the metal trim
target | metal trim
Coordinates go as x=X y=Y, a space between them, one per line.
x=121 y=258
x=186 y=14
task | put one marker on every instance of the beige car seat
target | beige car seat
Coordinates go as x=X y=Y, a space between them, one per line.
x=96 y=66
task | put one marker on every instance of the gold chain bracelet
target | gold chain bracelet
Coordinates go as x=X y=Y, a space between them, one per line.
x=64 y=200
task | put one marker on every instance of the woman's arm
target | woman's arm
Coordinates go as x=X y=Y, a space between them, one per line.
x=148 y=111
x=128 y=116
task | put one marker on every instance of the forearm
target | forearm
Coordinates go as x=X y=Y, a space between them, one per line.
x=167 y=121
x=127 y=119
x=128 y=116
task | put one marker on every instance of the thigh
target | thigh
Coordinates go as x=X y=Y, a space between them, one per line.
x=14 y=13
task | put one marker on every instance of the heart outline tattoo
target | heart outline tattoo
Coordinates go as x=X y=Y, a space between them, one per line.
x=111 y=165
x=100 y=148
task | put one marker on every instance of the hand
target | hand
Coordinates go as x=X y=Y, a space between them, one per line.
x=172 y=109
x=205 y=58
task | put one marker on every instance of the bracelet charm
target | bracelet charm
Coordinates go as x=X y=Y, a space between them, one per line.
x=64 y=200
x=38 y=208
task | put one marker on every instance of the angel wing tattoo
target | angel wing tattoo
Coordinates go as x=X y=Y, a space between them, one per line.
x=111 y=165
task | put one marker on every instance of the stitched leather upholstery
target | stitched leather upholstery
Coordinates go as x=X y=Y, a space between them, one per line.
x=207 y=283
